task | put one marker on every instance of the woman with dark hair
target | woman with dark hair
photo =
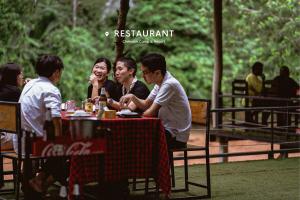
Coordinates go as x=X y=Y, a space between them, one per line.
x=11 y=78
x=99 y=79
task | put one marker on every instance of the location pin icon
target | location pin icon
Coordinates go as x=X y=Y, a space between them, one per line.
x=106 y=34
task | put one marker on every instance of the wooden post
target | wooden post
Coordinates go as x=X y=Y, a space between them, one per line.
x=74 y=13
x=124 y=8
x=223 y=141
x=218 y=66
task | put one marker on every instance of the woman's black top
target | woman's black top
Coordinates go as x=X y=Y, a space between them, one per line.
x=9 y=93
x=110 y=86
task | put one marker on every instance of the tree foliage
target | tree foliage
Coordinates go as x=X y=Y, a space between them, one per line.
x=264 y=30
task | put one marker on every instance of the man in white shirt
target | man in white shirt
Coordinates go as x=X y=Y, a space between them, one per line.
x=167 y=100
x=38 y=95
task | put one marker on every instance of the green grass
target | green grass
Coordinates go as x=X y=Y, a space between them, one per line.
x=259 y=180
x=248 y=180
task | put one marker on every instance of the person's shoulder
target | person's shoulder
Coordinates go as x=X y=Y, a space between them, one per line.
x=45 y=85
x=90 y=86
x=9 y=93
x=140 y=84
x=110 y=82
x=293 y=82
x=249 y=76
x=171 y=81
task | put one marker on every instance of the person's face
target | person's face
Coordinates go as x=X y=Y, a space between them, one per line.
x=122 y=72
x=258 y=71
x=100 y=71
x=20 y=79
x=148 y=76
x=57 y=75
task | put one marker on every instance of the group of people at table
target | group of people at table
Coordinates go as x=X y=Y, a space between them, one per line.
x=167 y=100
x=282 y=86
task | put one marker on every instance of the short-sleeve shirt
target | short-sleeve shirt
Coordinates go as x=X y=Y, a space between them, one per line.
x=175 y=112
x=110 y=86
x=255 y=84
x=38 y=95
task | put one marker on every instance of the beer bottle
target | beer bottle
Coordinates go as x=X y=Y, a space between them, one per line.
x=103 y=98
x=102 y=103
x=49 y=130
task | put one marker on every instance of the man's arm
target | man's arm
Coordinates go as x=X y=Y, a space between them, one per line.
x=152 y=111
x=128 y=99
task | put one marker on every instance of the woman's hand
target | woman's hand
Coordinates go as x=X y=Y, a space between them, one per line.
x=93 y=80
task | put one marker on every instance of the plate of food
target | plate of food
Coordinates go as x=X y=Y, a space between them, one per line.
x=128 y=113
x=80 y=113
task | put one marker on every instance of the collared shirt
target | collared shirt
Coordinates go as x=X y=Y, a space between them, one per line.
x=38 y=95
x=175 y=112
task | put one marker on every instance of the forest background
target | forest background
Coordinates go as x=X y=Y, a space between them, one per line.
x=253 y=30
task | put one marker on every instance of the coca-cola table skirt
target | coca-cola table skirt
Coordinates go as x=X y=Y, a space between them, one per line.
x=135 y=148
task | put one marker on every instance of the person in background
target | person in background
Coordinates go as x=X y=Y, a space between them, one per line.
x=99 y=79
x=125 y=74
x=38 y=95
x=167 y=100
x=255 y=82
x=283 y=86
x=11 y=80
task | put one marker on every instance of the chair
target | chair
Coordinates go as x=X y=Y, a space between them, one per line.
x=10 y=122
x=240 y=87
x=205 y=108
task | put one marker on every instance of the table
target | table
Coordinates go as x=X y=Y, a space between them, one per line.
x=136 y=148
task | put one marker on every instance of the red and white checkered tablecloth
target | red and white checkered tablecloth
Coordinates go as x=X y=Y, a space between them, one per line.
x=136 y=148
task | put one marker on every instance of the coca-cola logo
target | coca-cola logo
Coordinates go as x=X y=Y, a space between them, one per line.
x=76 y=148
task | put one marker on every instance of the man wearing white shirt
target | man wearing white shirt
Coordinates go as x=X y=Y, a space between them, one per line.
x=167 y=100
x=38 y=95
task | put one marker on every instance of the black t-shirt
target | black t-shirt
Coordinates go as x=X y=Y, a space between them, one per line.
x=139 y=89
x=9 y=93
x=110 y=86
x=284 y=87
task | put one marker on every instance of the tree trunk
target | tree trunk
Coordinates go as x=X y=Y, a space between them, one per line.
x=218 y=66
x=124 y=7
x=74 y=14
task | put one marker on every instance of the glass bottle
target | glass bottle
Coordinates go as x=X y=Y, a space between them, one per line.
x=88 y=107
x=102 y=98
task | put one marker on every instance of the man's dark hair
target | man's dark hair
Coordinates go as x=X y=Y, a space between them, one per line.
x=129 y=63
x=47 y=65
x=155 y=61
x=9 y=73
x=257 y=67
x=106 y=61
x=284 y=71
